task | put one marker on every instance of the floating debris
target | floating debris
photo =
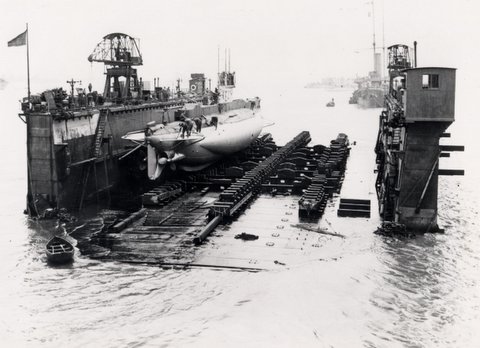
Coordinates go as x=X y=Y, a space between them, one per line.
x=394 y=229
x=316 y=230
x=61 y=214
x=246 y=236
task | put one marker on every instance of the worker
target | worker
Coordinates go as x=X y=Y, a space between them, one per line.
x=198 y=124
x=148 y=131
x=186 y=126
x=189 y=124
x=183 y=129
x=214 y=121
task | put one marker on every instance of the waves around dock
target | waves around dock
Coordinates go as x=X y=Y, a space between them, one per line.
x=360 y=291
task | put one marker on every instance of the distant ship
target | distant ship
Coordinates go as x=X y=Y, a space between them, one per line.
x=371 y=90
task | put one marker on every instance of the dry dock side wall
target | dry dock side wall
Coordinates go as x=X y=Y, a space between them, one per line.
x=42 y=176
x=419 y=176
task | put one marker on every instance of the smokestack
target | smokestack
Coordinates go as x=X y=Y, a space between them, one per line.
x=415 y=52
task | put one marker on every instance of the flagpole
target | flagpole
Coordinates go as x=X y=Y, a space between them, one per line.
x=28 y=68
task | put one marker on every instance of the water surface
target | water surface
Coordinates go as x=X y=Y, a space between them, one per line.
x=362 y=291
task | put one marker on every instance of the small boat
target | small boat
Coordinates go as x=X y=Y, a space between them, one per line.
x=59 y=250
x=331 y=103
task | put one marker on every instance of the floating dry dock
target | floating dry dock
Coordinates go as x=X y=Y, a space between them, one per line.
x=179 y=215
x=76 y=150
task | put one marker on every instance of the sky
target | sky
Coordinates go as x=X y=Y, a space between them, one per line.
x=272 y=43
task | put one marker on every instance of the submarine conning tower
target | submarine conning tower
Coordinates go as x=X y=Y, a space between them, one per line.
x=419 y=107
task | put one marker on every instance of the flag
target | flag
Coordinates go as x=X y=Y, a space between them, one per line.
x=20 y=40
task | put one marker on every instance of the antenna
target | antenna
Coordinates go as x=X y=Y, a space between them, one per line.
x=218 y=66
x=383 y=38
x=229 y=60
x=72 y=83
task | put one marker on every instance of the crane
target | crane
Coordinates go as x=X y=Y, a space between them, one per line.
x=120 y=53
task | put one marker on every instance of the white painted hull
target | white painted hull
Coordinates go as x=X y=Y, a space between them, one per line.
x=235 y=132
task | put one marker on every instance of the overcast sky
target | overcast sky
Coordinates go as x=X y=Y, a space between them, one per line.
x=271 y=42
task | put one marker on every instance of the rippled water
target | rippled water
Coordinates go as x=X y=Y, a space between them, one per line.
x=364 y=290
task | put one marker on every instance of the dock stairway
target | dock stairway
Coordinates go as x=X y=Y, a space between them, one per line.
x=354 y=208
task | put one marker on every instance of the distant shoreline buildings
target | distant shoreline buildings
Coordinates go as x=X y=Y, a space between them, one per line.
x=332 y=82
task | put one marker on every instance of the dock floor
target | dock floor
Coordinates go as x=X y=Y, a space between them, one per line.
x=164 y=235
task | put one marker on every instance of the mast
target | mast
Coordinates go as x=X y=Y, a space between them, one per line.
x=28 y=67
x=225 y=67
x=373 y=23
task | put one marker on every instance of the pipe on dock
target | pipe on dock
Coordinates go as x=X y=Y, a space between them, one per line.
x=129 y=220
x=207 y=230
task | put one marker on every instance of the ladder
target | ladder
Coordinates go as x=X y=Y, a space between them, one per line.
x=94 y=153
x=102 y=122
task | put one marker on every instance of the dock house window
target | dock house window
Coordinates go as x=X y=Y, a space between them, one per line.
x=430 y=81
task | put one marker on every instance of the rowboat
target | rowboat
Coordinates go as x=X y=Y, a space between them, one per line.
x=59 y=250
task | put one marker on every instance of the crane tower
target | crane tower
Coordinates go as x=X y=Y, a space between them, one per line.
x=119 y=52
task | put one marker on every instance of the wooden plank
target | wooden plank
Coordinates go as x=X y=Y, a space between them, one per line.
x=161 y=229
x=350 y=206
x=353 y=213
x=355 y=201
x=451 y=172
x=452 y=148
